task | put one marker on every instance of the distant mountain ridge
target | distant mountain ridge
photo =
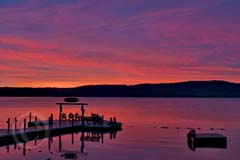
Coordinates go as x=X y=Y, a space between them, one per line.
x=213 y=88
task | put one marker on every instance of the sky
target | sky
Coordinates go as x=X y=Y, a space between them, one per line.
x=67 y=43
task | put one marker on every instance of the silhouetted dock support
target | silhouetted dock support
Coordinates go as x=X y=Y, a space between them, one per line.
x=8 y=123
x=83 y=112
x=30 y=117
x=15 y=122
x=36 y=119
x=49 y=122
x=60 y=113
x=114 y=121
x=102 y=121
x=24 y=125
x=72 y=122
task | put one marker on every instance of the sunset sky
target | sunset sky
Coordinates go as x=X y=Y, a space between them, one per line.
x=66 y=43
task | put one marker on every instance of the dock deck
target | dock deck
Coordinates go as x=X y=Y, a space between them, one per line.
x=64 y=125
x=55 y=129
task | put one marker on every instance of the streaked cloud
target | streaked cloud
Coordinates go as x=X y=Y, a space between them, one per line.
x=75 y=42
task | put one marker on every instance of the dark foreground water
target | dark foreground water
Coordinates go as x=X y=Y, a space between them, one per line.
x=142 y=137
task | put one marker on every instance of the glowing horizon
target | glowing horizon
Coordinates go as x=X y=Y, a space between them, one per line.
x=72 y=43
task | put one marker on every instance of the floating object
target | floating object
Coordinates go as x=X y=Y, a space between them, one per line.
x=206 y=140
x=71 y=100
x=164 y=127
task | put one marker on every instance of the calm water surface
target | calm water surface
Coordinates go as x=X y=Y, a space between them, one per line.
x=142 y=136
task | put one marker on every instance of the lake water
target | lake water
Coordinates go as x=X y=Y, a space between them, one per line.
x=142 y=136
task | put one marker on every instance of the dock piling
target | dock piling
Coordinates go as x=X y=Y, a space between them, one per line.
x=111 y=121
x=36 y=121
x=25 y=122
x=102 y=121
x=60 y=114
x=15 y=120
x=83 y=112
x=30 y=117
x=72 y=122
x=114 y=121
x=51 y=119
x=8 y=122
x=49 y=122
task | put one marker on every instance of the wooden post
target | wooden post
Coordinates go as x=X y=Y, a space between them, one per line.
x=30 y=117
x=25 y=121
x=15 y=120
x=60 y=113
x=36 y=121
x=111 y=121
x=49 y=122
x=8 y=122
x=102 y=122
x=51 y=119
x=114 y=121
x=72 y=122
x=83 y=112
x=102 y=136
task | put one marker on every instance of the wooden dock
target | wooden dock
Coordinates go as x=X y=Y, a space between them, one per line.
x=54 y=129
x=66 y=123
